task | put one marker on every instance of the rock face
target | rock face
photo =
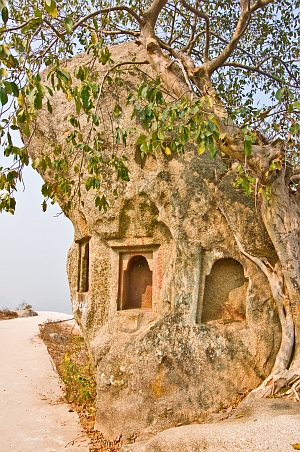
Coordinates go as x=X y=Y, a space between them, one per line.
x=259 y=425
x=177 y=320
x=25 y=313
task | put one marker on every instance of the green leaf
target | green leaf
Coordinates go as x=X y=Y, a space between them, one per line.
x=4 y=14
x=161 y=134
x=141 y=139
x=280 y=93
x=201 y=148
x=26 y=130
x=7 y=87
x=296 y=104
x=3 y=96
x=101 y=202
x=104 y=56
x=38 y=14
x=50 y=7
x=36 y=163
x=15 y=89
x=95 y=119
x=69 y=25
x=3 y=72
x=64 y=75
x=85 y=97
x=38 y=100
x=247 y=147
x=117 y=111
x=94 y=38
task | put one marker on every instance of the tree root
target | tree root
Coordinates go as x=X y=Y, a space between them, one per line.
x=294 y=392
x=275 y=383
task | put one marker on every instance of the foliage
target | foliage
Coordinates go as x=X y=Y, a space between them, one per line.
x=73 y=365
x=244 y=50
x=171 y=126
x=24 y=305
x=6 y=313
x=78 y=378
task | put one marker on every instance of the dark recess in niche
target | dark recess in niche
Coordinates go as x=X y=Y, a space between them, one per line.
x=83 y=266
x=225 y=292
x=137 y=291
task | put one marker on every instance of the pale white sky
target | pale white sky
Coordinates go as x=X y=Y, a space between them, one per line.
x=33 y=251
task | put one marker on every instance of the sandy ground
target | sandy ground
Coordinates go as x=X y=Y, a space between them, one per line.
x=32 y=416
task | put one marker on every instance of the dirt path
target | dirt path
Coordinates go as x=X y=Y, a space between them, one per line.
x=32 y=416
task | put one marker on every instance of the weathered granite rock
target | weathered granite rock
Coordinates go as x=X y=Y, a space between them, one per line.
x=259 y=425
x=176 y=319
x=25 y=313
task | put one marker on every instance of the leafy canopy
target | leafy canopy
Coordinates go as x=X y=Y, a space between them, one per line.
x=244 y=50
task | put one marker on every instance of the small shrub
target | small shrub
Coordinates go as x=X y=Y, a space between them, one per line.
x=6 y=313
x=69 y=353
x=24 y=305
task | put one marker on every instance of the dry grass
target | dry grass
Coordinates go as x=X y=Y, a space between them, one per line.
x=6 y=314
x=69 y=353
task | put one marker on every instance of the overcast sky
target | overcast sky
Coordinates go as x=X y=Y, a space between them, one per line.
x=33 y=251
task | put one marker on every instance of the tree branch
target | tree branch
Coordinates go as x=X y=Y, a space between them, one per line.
x=55 y=31
x=189 y=47
x=275 y=57
x=127 y=63
x=295 y=177
x=253 y=69
x=225 y=41
x=180 y=64
x=240 y=29
x=105 y=11
x=207 y=32
x=193 y=31
x=17 y=27
x=94 y=14
x=260 y=4
x=118 y=32
x=153 y=12
x=172 y=26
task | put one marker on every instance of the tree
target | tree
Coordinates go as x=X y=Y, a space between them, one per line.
x=214 y=58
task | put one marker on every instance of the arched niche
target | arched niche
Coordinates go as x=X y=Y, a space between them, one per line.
x=225 y=292
x=137 y=284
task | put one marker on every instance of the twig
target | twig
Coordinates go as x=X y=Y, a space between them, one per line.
x=73 y=440
x=56 y=321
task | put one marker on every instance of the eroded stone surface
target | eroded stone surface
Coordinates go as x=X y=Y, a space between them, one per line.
x=25 y=313
x=174 y=359
x=259 y=425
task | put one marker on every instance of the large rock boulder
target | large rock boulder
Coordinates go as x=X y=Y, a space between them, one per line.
x=259 y=425
x=25 y=313
x=176 y=319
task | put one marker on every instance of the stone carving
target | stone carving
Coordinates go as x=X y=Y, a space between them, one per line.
x=174 y=316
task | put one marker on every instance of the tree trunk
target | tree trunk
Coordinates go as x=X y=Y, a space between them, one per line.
x=280 y=214
x=281 y=218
